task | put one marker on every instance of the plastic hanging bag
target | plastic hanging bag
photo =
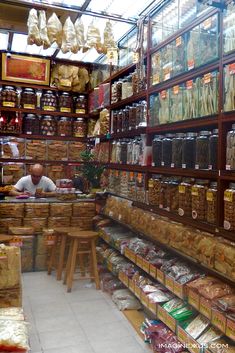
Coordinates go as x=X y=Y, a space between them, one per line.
x=54 y=30
x=93 y=38
x=43 y=30
x=33 y=29
x=69 y=40
x=79 y=28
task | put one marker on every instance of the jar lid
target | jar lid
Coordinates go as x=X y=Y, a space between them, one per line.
x=205 y=133
x=202 y=181
x=213 y=185
x=233 y=126
x=28 y=89
x=179 y=134
x=65 y=93
x=232 y=185
x=64 y=118
x=191 y=134
x=30 y=116
x=158 y=137
x=49 y=92
x=215 y=131
x=169 y=136
x=10 y=87
x=47 y=117
x=80 y=118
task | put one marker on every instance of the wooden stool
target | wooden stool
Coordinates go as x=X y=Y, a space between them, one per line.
x=79 y=240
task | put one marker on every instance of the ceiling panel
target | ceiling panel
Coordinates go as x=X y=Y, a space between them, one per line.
x=20 y=45
x=4 y=40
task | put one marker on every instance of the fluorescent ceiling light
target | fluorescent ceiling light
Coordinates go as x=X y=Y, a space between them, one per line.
x=4 y=40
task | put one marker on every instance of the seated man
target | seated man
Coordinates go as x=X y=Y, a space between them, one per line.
x=35 y=184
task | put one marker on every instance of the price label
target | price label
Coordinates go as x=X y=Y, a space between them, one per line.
x=194 y=191
x=231 y=68
x=65 y=110
x=178 y=41
x=191 y=64
x=167 y=74
x=169 y=283
x=163 y=94
x=176 y=89
x=80 y=111
x=207 y=78
x=207 y=23
x=184 y=166
x=218 y=319
x=150 y=183
x=196 y=166
x=16 y=241
x=162 y=164
x=210 y=196
x=29 y=106
x=179 y=290
x=155 y=79
x=189 y=84
x=140 y=177
x=228 y=196
x=182 y=189
x=194 y=299
x=8 y=104
x=170 y=322
x=131 y=174
x=145 y=266
x=50 y=239
x=172 y=165
x=160 y=276
x=49 y=107
x=205 y=307
x=161 y=313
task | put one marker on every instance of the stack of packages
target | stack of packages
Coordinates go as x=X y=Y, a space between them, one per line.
x=11 y=214
x=10 y=276
x=82 y=215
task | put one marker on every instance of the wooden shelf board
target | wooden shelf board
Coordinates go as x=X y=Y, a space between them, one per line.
x=29 y=161
x=131 y=99
x=197 y=173
x=135 y=317
x=227 y=175
x=134 y=168
x=43 y=112
x=130 y=133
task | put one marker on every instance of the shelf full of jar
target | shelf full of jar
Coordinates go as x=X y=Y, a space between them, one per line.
x=33 y=161
x=43 y=137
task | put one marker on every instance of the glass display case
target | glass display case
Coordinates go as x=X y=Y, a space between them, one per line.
x=208 y=94
x=229 y=87
x=156 y=70
x=170 y=15
x=176 y=103
x=229 y=28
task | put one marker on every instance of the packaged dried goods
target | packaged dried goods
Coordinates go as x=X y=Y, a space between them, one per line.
x=176 y=103
x=210 y=335
x=154 y=188
x=167 y=150
x=182 y=314
x=208 y=94
x=28 y=99
x=173 y=304
x=125 y=300
x=193 y=48
x=21 y=230
x=57 y=151
x=163 y=111
x=211 y=203
x=11 y=297
x=230 y=148
x=14 y=313
x=60 y=209
x=199 y=190
x=33 y=28
x=177 y=146
x=216 y=290
x=31 y=124
x=48 y=101
x=64 y=126
x=191 y=99
x=13 y=336
x=84 y=223
x=185 y=197
x=12 y=147
x=37 y=223
x=202 y=282
x=58 y=222
x=12 y=172
x=209 y=39
x=124 y=184
x=5 y=222
x=9 y=97
x=84 y=209
x=205 y=249
x=202 y=150
x=56 y=172
x=14 y=210
x=226 y=303
x=10 y=269
x=197 y=326
x=40 y=210
x=65 y=102
x=36 y=149
x=54 y=29
x=229 y=208
x=224 y=258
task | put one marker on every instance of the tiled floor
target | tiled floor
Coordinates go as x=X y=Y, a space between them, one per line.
x=83 y=321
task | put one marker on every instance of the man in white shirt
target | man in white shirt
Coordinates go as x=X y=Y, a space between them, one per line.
x=35 y=184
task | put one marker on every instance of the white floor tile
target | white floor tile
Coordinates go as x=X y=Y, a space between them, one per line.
x=115 y=331
x=90 y=306
x=62 y=338
x=65 y=322
x=107 y=345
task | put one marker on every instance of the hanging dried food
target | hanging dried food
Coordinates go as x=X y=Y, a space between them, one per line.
x=54 y=30
x=43 y=30
x=79 y=28
x=93 y=38
x=109 y=41
x=69 y=38
x=33 y=30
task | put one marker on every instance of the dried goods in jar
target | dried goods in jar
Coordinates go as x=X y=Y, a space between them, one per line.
x=157 y=151
x=123 y=157
x=229 y=88
x=167 y=150
x=28 y=99
x=163 y=198
x=176 y=103
x=185 y=197
x=31 y=124
x=230 y=149
x=114 y=117
x=12 y=147
x=8 y=97
x=229 y=207
x=132 y=116
x=79 y=127
x=48 y=125
x=48 y=101
x=189 y=150
x=199 y=190
x=172 y=196
x=80 y=105
x=177 y=144
x=65 y=102
x=64 y=126
x=190 y=99
x=124 y=184
x=213 y=149
x=140 y=188
x=211 y=203
x=208 y=94
x=154 y=188
x=202 y=150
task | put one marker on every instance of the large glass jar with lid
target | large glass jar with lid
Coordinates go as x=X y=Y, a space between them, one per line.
x=142 y=120
x=177 y=146
x=64 y=126
x=185 y=197
x=130 y=152
x=48 y=125
x=65 y=102
x=199 y=190
x=229 y=207
x=157 y=151
x=114 y=117
x=31 y=124
x=189 y=150
x=9 y=97
x=123 y=156
x=79 y=127
x=80 y=104
x=125 y=120
x=119 y=120
x=172 y=195
x=132 y=117
x=28 y=98
x=48 y=101
x=154 y=189
x=202 y=150
x=211 y=203
x=230 y=148
x=167 y=150
x=163 y=198
x=213 y=150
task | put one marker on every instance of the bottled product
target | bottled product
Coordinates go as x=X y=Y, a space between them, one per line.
x=202 y=150
x=142 y=118
x=124 y=183
x=177 y=144
x=119 y=90
x=154 y=188
x=8 y=97
x=119 y=120
x=157 y=150
x=124 y=88
x=132 y=116
x=123 y=157
x=65 y=102
x=114 y=93
x=48 y=101
x=114 y=122
x=79 y=127
x=167 y=150
x=134 y=78
x=130 y=152
x=31 y=124
x=211 y=200
x=172 y=195
x=163 y=195
x=230 y=148
x=229 y=207
x=28 y=98
x=125 y=121
x=189 y=150
x=213 y=149
x=185 y=197
x=131 y=186
x=64 y=126
x=48 y=125
x=140 y=188
x=199 y=191
x=80 y=105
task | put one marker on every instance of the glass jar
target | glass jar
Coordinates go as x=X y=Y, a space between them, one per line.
x=119 y=120
x=142 y=119
x=136 y=151
x=114 y=93
x=65 y=102
x=8 y=97
x=162 y=196
x=189 y=150
x=119 y=90
x=172 y=195
x=167 y=150
x=79 y=127
x=118 y=152
x=129 y=86
x=28 y=98
x=134 y=78
x=132 y=117
x=130 y=152
x=230 y=155
x=211 y=203
x=185 y=197
x=123 y=183
x=202 y=150
x=113 y=152
x=154 y=189
x=199 y=190
x=48 y=125
x=138 y=115
x=48 y=101
x=131 y=186
x=177 y=145
x=64 y=126
x=213 y=149
x=124 y=151
x=140 y=188
x=114 y=122
x=80 y=105
x=31 y=124
x=125 y=120
x=157 y=151
x=229 y=207
x=124 y=88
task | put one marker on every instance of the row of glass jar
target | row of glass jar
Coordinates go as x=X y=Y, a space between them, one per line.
x=129 y=118
x=190 y=150
x=127 y=86
x=192 y=99
x=191 y=50
x=29 y=98
x=48 y=125
x=129 y=151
